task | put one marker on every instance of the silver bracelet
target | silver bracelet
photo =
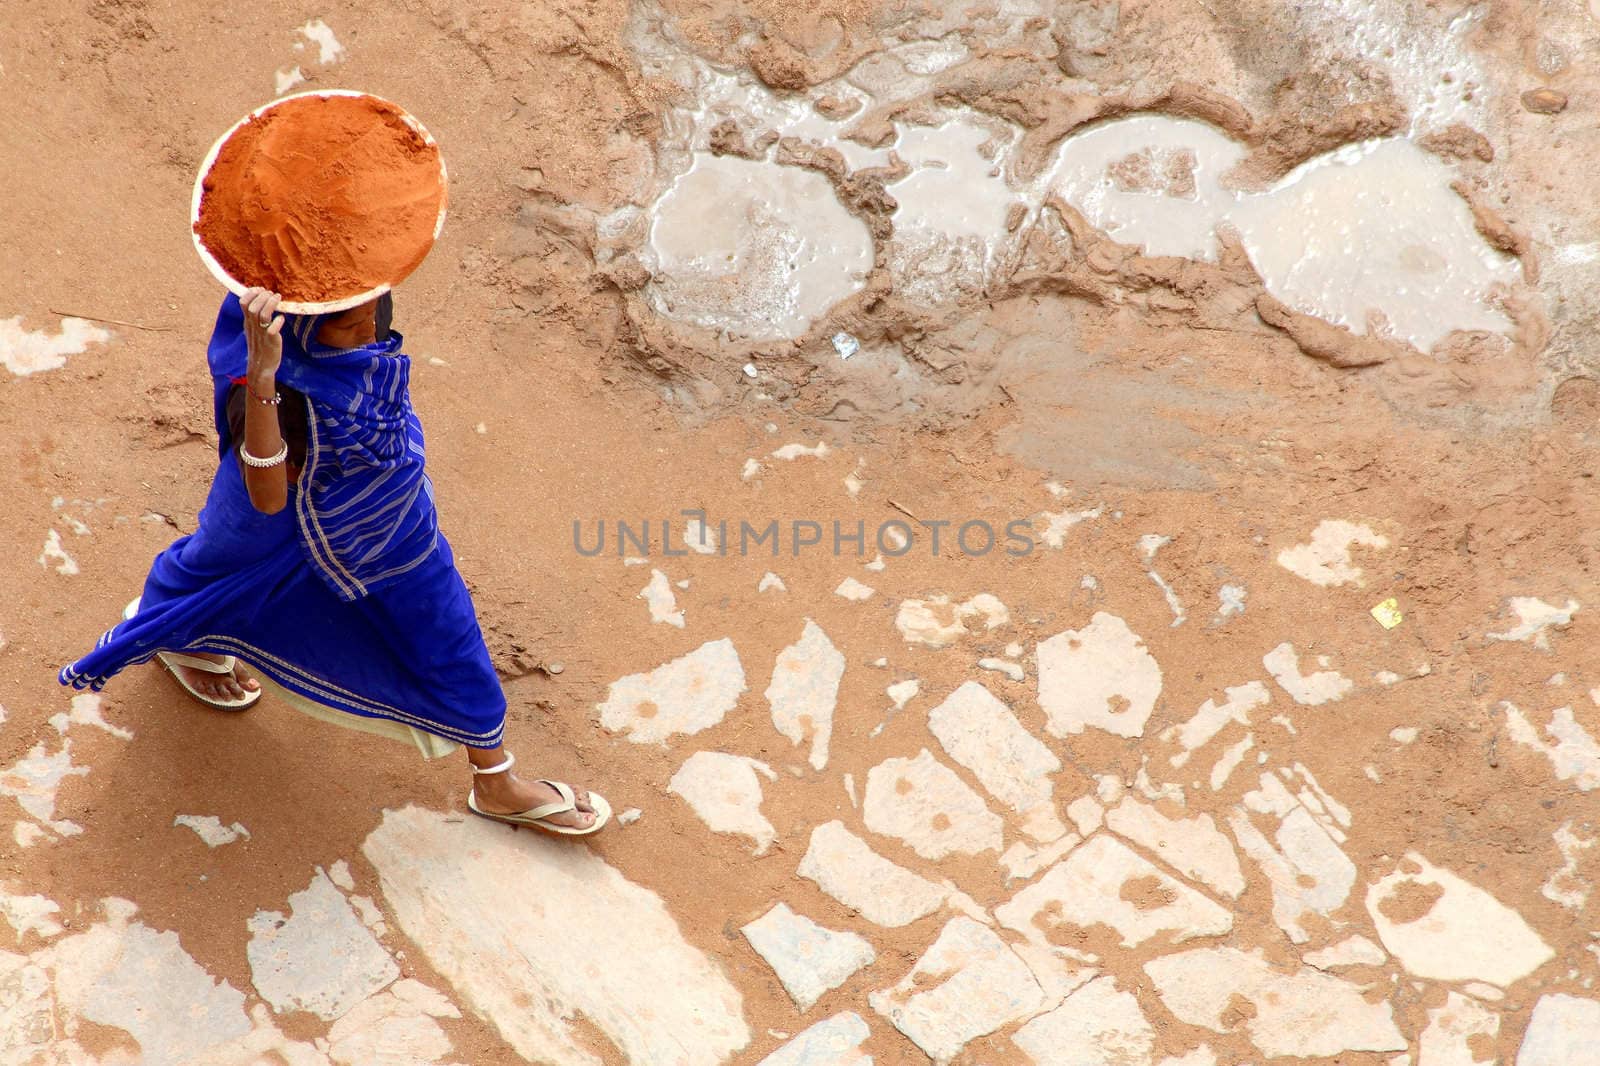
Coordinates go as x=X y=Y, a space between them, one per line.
x=262 y=464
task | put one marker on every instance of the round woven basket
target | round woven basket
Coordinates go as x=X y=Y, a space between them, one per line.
x=292 y=307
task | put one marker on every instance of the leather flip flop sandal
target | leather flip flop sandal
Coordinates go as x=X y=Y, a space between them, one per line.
x=171 y=660
x=538 y=817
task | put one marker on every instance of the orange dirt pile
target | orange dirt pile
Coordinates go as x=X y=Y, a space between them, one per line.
x=322 y=198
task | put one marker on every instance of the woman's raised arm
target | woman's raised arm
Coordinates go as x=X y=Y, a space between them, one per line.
x=263 y=450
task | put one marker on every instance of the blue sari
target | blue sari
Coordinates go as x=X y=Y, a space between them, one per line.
x=349 y=596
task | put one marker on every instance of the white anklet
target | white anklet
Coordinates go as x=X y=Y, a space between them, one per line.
x=511 y=761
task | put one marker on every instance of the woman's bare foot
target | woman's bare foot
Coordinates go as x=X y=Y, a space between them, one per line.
x=222 y=687
x=506 y=793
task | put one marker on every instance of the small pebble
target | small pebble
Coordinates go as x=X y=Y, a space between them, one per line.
x=629 y=816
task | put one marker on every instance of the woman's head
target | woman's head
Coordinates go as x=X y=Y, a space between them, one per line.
x=361 y=324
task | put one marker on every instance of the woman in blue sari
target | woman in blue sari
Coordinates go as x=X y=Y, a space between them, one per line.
x=319 y=562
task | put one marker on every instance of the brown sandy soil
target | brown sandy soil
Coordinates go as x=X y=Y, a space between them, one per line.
x=1157 y=393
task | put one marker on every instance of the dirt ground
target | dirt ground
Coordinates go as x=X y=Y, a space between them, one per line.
x=1154 y=390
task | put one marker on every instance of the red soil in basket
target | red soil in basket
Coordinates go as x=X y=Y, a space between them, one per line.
x=322 y=198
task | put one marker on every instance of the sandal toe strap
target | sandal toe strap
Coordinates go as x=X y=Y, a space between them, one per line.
x=568 y=802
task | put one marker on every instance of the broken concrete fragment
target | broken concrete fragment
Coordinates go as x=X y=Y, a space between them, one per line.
x=659 y=597
x=1101 y=676
x=1535 y=619
x=834 y=1042
x=595 y=946
x=924 y=803
x=1307 y=1013
x=1561 y=1033
x=937 y=622
x=966 y=985
x=808 y=959
x=804 y=690
x=1453 y=1031
x=394 y=1026
x=1212 y=717
x=980 y=732
x=1306 y=869
x=1103 y=882
x=1193 y=846
x=1098 y=1025
x=209 y=828
x=1325 y=559
x=687 y=695
x=726 y=793
x=1443 y=928
x=1354 y=951
x=847 y=869
x=1311 y=690
x=321 y=958
x=1574 y=753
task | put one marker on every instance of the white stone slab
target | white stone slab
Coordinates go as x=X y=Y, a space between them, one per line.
x=30 y=914
x=834 y=1042
x=1325 y=559
x=847 y=869
x=1535 y=619
x=725 y=792
x=1022 y=861
x=1464 y=935
x=688 y=695
x=937 y=622
x=130 y=977
x=595 y=944
x=34 y=780
x=1193 y=846
x=924 y=803
x=1572 y=751
x=1212 y=717
x=1087 y=888
x=1229 y=761
x=980 y=732
x=966 y=985
x=1098 y=1025
x=1565 y=886
x=1352 y=951
x=809 y=959
x=902 y=692
x=1311 y=690
x=1307 y=870
x=1454 y=1029
x=209 y=828
x=661 y=600
x=394 y=1027
x=1101 y=676
x=1562 y=1033
x=804 y=690
x=1307 y=1013
x=320 y=959
x=854 y=591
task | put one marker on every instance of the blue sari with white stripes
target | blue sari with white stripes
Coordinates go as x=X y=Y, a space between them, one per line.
x=349 y=596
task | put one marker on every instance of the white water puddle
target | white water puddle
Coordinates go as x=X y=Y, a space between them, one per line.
x=753 y=249
x=1369 y=236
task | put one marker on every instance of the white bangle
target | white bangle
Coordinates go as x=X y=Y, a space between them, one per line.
x=262 y=464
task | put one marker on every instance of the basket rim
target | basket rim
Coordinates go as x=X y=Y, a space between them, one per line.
x=304 y=307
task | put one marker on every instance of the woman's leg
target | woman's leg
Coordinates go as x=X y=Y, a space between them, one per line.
x=506 y=793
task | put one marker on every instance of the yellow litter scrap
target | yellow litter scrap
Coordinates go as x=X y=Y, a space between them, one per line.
x=1388 y=613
